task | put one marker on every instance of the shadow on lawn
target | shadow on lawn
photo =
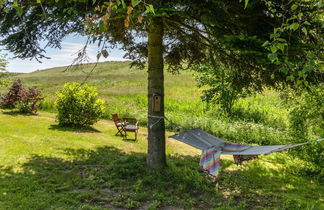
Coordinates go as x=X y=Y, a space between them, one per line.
x=16 y=113
x=85 y=129
x=110 y=178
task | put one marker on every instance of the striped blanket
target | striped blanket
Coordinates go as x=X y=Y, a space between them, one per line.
x=210 y=158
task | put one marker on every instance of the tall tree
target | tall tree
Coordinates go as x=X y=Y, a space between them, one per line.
x=179 y=33
x=25 y=24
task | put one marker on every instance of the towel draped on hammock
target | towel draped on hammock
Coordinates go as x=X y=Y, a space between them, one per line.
x=210 y=158
x=213 y=147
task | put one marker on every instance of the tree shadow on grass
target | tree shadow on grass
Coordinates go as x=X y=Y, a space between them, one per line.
x=109 y=178
x=17 y=113
x=84 y=129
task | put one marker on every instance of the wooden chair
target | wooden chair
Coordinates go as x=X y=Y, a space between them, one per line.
x=130 y=125
x=118 y=123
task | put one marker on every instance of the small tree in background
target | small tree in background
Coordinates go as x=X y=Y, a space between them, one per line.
x=29 y=99
x=78 y=105
x=13 y=96
x=3 y=65
x=26 y=100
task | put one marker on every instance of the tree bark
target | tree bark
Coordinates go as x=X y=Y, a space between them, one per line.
x=156 y=157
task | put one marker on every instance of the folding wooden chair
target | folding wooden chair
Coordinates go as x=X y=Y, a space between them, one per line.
x=130 y=125
x=118 y=123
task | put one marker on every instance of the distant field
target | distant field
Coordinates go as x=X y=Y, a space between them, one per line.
x=260 y=119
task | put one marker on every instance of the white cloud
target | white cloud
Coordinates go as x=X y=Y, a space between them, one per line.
x=62 y=57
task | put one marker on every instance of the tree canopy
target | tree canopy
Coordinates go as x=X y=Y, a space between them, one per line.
x=268 y=43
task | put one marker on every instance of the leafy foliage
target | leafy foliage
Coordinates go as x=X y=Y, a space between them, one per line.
x=220 y=89
x=299 y=20
x=78 y=105
x=241 y=42
x=238 y=35
x=25 y=100
x=29 y=100
x=11 y=99
x=306 y=121
x=3 y=65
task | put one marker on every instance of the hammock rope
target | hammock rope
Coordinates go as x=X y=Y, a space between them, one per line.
x=212 y=147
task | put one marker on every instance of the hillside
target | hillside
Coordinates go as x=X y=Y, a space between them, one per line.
x=123 y=88
x=125 y=91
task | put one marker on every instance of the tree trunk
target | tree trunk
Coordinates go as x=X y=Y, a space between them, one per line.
x=156 y=128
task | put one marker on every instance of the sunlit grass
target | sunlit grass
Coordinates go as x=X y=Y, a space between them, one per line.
x=44 y=166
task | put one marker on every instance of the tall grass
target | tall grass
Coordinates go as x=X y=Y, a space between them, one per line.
x=259 y=119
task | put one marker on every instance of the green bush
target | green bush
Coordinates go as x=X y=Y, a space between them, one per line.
x=78 y=105
x=307 y=123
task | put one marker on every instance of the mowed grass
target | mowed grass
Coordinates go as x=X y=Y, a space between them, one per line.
x=43 y=166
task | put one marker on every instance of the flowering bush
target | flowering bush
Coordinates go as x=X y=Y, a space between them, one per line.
x=78 y=105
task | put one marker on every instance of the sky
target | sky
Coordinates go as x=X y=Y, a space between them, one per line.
x=59 y=57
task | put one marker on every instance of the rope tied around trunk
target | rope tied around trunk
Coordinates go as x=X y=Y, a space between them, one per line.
x=173 y=125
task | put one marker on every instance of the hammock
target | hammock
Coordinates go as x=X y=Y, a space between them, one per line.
x=212 y=147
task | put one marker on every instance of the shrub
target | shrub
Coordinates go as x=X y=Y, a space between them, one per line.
x=78 y=105
x=29 y=99
x=25 y=100
x=13 y=96
x=307 y=123
x=216 y=82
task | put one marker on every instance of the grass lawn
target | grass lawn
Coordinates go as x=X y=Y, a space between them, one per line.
x=43 y=166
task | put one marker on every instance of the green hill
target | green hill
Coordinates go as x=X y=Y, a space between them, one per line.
x=259 y=119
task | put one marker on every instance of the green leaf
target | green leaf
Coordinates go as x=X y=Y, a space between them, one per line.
x=304 y=30
x=123 y=4
x=307 y=23
x=294 y=7
x=266 y=43
x=273 y=49
x=294 y=26
x=281 y=46
x=246 y=3
x=273 y=57
x=308 y=69
x=151 y=8
x=135 y=3
x=101 y=26
x=19 y=10
x=284 y=70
